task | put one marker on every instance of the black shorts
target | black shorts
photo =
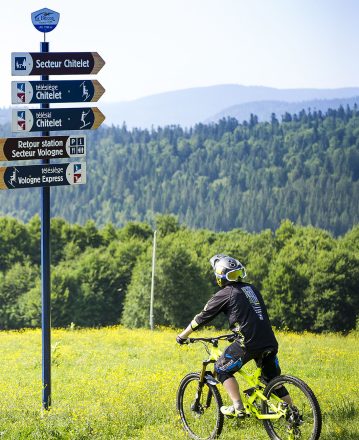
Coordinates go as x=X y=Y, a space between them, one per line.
x=235 y=356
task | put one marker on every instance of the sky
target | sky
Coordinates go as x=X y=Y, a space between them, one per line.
x=154 y=46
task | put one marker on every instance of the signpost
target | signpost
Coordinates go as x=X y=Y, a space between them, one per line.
x=45 y=275
x=56 y=63
x=46 y=147
x=39 y=92
x=59 y=119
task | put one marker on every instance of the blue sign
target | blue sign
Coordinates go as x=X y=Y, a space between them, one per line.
x=45 y=92
x=45 y=20
x=43 y=175
x=57 y=119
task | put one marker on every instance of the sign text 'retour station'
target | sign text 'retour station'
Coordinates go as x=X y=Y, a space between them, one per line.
x=45 y=147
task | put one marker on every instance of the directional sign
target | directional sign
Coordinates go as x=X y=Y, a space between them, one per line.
x=59 y=119
x=46 y=92
x=56 y=63
x=49 y=147
x=43 y=175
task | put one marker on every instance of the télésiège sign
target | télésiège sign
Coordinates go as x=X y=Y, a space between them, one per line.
x=15 y=177
x=46 y=92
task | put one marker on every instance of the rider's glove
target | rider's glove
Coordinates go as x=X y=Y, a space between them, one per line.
x=181 y=341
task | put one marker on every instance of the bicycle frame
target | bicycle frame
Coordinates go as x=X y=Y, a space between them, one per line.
x=250 y=397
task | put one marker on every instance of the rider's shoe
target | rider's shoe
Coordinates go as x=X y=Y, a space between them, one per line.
x=231 y=412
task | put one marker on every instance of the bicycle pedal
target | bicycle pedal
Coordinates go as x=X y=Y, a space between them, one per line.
x=228 y=416
x=239 y=417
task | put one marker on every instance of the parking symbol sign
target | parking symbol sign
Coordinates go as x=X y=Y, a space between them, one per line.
x=77 y=147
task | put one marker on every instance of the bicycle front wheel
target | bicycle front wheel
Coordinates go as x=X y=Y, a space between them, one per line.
x=201 y=417
x=303 y=418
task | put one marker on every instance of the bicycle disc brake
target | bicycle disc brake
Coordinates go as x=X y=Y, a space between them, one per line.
x=197 y=408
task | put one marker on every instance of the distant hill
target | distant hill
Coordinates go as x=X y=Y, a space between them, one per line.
x=264 y=109
x=205 y=104
x=191 y=106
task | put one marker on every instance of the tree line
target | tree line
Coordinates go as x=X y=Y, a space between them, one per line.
x=220 y=176
x=102 y=276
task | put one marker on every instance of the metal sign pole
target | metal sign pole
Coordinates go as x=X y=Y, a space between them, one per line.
x=153 y=279
x=45 y=274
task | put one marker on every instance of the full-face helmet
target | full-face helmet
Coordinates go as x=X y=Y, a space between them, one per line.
x=227 y=269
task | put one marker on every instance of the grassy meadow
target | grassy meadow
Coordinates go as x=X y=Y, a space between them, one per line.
x=116 y=383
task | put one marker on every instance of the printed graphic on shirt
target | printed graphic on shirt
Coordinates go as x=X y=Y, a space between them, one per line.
x=252 y=298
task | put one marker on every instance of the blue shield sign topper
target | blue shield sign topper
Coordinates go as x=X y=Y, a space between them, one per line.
x=45 y=20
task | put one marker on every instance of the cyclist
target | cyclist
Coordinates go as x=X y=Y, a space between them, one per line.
x=244 y=307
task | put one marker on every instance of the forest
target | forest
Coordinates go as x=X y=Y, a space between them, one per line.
x=102 y=276
x=221 y=176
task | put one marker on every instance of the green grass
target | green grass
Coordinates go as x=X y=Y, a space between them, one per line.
x=116 y=383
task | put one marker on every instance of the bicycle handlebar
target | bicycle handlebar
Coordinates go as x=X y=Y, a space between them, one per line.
x=229 y=337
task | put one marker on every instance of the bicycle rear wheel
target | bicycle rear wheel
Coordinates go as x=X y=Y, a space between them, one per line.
x=303 y=419
x=202 y=418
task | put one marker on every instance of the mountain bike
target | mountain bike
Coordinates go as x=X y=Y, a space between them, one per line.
x=199 y=401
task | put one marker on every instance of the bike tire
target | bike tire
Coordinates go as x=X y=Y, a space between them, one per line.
x=304 y=418
x=201 y=423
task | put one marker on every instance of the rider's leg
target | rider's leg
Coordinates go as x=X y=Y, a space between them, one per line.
x=270 y=370
x=232 y=388
x=232 y=359
x=288 y=399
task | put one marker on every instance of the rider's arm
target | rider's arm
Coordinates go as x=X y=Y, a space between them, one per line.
x=214 y=306
x=186 y=332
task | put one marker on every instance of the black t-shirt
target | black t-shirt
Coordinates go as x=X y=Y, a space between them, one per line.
x=244 y=307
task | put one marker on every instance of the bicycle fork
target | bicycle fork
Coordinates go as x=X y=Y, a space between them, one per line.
x=204 y=377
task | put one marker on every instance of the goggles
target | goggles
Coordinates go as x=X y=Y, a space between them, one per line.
x=233 y=275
